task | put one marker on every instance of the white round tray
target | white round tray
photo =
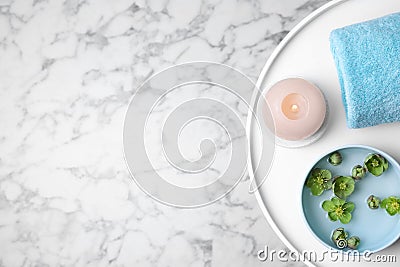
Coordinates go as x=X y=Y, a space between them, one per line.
x=305 y=53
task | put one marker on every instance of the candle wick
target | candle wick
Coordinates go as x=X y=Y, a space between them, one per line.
x=294 y=108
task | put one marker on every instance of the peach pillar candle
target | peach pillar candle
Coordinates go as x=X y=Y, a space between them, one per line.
x=298 y=108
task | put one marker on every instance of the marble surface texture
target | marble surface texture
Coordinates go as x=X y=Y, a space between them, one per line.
x=67 y=72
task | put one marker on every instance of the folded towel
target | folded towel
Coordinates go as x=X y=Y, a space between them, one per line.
x=367 y=58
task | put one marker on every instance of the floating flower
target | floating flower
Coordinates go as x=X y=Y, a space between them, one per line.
x=338 y=209
x=373 y=202
x=343 y=186
x=358 y=172
x=339 y=238
x=338 y=233
x=376 y=164
x=335 y=158
x=319 y=180
x=353 y=242
x=391 y=204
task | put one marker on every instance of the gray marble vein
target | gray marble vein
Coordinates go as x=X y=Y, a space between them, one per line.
x=67 y=72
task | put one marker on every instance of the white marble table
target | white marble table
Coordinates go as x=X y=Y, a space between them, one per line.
x=67 y=72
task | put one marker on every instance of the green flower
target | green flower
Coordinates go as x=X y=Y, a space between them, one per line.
x=373 y=202
x=343 y=186
x=338 y=233
x=376 y=164
x=391 y=204
x=358 y=172
x=353 y=242
x=319 y=181
x=335 y=158
x=338 y=209
x=339 y=238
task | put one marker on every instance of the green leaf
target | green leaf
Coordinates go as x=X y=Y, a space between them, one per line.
x=340 y=194
x=377 y=171
x=310 y=181
x=328 y=185
x=370 y=156
x=315 y=172
x=349 y=189
x=332 y=216
x=345 y=218
x=349 y=206
x=328 y=205
x=385 y=165
x=384 y=162
x=384 y=203
x=353 y=242
x=317 y=189
x=338 y=233
x=346 y=235
x=392 y=211
x=326 y=174
x=337 y=201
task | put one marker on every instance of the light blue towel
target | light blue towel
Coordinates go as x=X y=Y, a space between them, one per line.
x=367 y=58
